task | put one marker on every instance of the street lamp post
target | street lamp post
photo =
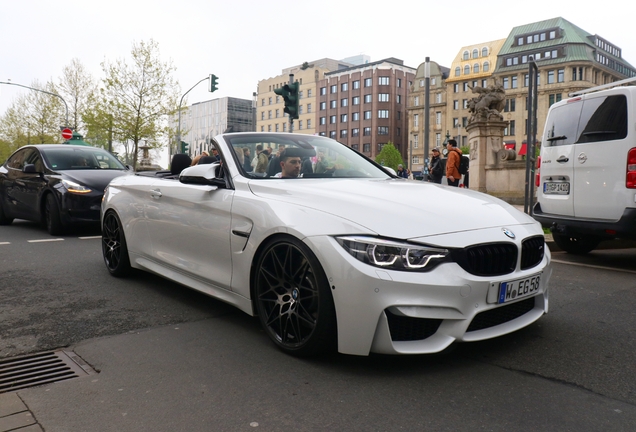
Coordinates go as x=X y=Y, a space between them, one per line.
x=180 y=102
x=43 y=91
x=427 y=91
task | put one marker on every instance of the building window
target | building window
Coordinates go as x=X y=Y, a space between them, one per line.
x=476 y=68
x=355 y=147
x=308 y=94
x=308 y=123
x=513 y=82
x=438 y=98
x=553 y=98
x=277 y=99
x=343 y=133
x=465 y=86
x=399 y=82
x=366 y=131
x=458 y=71
x=416 y=139
x=332 y=134
x=383 y=130
x=300 y=94
x=356 y=84
x=332 y=119
x=368 y=82
x=334 y=88
x=323 y=120
x=510 y=129
x=465 y=103
x=343 y=118
x=510 y=105
x=383 y=97
x=355 y=100
x=323 y=106
x=455 y=121
x=506 y=83
x=344 y=87
x=465 y=55
x=383 y=114
x=270 y=101
x=560 y=75
x=300 y=125
x=416 y=120
x=415 y=160
x=484 y=51
x=269 y=128
x=262 y=115
x=333 y=104
x=355 y=132
x=438 y=139
x=366 y=148
x=367 y=115
x=355 y=116
x=416 y=101
x=344 y=102
x=455 y=104
x=262 y=128
x=383 y=80
x=323 y=91
x=456 y=88
x=475 y=53
x=438 y=118
x=467 y=70
x=367 y=98
x=308 y=108
x=269 y=114
x=399 y=99
x=263 y=102
x=550 y=77
x=277 y=113
x=300 y=109
x=575 y=76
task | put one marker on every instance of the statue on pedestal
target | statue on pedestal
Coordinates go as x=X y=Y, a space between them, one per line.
x=489 y=103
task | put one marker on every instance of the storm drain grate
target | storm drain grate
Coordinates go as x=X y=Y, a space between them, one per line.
x=42 y=368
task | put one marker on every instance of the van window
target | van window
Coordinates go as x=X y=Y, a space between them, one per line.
x=592 y=120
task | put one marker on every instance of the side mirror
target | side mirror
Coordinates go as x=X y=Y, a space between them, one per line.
x=29 y=169
x=206 y=174
x=390 y=170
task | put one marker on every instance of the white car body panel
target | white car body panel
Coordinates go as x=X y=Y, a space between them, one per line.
x=208 y=237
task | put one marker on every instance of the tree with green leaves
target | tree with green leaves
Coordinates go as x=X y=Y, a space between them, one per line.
x=77 y=87
x=389 y=156
x=139 y=95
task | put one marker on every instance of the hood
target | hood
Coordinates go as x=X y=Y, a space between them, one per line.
x=96 y=179
x=396 y=208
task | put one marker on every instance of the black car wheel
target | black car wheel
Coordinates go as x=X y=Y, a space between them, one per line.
x=114 y=246
x=4 y=220
x=575 y=244
x=52 y=217
x=293 y=300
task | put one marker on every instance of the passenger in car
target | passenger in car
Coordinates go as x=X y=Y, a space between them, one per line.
x=290 y=163
x=197 y=158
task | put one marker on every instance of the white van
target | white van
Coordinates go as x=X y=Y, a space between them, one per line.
x=586 y=175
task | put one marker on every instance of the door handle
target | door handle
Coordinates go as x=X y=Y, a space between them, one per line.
x=156 y=193
x=562 y=159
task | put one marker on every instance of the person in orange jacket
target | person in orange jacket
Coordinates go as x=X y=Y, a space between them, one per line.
x=452 y=163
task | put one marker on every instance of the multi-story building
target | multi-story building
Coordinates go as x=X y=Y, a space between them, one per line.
x=365 y=106
x=568 y=59
x=202 y=121
x=416 y=114
x=473 y=67
x=270 y=116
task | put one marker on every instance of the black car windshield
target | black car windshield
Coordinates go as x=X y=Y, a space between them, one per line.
x=84 y=158
x=259 y=156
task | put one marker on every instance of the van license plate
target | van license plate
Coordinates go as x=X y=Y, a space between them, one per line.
x=556 y=188
x=509 y=291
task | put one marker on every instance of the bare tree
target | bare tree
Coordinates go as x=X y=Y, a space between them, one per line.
x=139 y=95
x=76 y=86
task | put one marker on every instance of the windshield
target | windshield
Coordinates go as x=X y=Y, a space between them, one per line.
x=74 y=158
x=265 y=156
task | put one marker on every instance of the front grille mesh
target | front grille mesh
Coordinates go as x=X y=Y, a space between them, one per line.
x=532 y=250
x=501 y=314
x=491 y=259
x=404 y=328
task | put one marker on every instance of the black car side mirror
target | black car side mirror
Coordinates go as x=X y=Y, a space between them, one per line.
x=29 y=169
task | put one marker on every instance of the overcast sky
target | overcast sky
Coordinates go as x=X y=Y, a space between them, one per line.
x=244 y=41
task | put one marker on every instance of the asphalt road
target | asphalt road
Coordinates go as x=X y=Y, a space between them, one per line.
x=171 y=359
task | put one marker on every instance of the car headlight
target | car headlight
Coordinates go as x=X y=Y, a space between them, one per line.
x=75 y=187
x=392 y=254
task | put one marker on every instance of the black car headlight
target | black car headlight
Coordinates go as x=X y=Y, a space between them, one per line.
x=73 y=187
x=393 y=254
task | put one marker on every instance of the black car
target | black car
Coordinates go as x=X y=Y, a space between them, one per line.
x=56 y=184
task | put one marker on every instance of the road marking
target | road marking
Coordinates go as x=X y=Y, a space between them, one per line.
x=594 y=266
x=45 y=240
x=1 y=243
x=90 y=237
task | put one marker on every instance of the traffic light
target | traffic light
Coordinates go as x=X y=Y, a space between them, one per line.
x=184 y=147
x=214 y=83
x=289 y=92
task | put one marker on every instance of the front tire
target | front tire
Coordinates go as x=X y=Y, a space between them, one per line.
x=576 y=244
x=52 y=217
x=293 y=300
x=114 y=247
x=4 y=220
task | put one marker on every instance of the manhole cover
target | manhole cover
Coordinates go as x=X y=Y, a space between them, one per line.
x=42 y=368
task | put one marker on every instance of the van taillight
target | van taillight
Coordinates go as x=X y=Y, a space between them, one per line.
x=537 y=178
x=630 y=181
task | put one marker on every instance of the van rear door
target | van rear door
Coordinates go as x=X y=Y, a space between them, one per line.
x=557 y=158
x=599 y=170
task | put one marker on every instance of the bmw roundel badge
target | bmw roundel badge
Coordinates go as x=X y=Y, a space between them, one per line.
x=509 y=233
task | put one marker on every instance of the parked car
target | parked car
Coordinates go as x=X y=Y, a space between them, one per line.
x=351 y=257
x=587 y=173
x=59 y=185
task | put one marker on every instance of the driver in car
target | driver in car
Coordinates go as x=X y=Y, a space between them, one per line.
x=290 y=163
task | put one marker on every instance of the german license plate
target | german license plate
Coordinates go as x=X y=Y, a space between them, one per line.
x=556 y=188
x=520 y=288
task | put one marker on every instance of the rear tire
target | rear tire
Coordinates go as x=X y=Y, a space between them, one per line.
x=52 y=218
x=114 y=248
x=576 y=244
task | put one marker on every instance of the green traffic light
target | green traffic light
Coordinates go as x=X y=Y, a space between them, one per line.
x=289 y=92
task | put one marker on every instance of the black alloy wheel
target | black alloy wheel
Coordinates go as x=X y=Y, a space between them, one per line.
x=114 y=247
x=52 y=218
x=293 y=300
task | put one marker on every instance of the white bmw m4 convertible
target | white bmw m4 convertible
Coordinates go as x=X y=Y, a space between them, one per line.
x=329 y=249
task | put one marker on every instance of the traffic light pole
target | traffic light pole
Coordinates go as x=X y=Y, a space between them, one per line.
x=43 y=91
x=291 y=119
x=180 y=102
